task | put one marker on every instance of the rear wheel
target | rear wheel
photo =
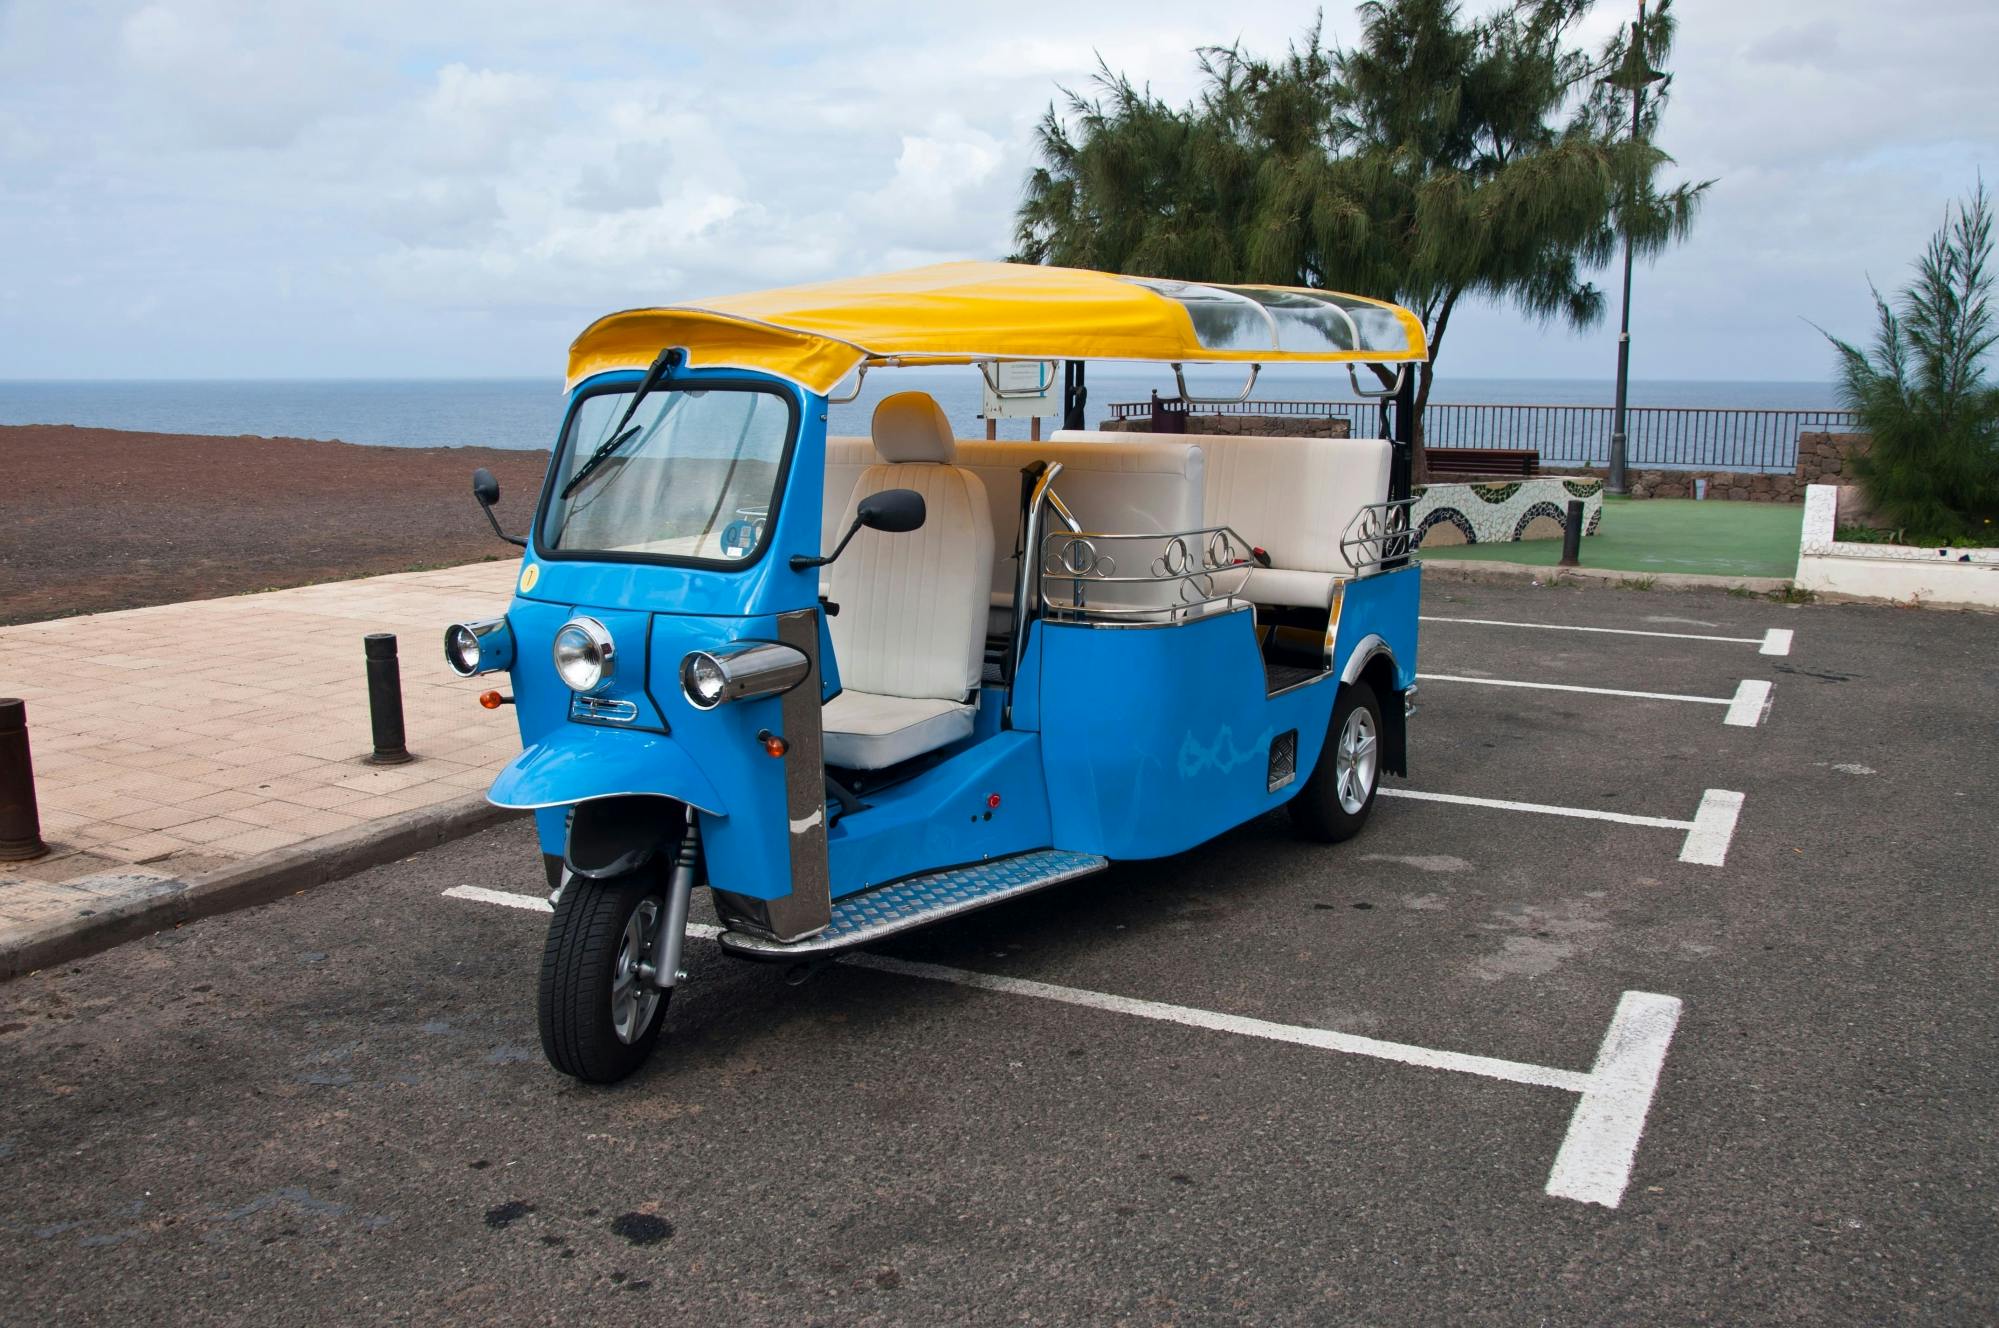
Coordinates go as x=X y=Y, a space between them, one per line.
x=1336 y=800
x=599 y=1016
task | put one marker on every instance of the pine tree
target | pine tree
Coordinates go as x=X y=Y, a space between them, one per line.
x=1932 y=467
x=1442 y=158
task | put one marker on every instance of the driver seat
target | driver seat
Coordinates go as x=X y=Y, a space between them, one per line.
x=911 y=632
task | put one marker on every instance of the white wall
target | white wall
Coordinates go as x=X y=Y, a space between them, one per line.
x=1947 y=578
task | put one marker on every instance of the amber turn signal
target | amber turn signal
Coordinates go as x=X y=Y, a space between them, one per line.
x=493 y=700
x=773 y=744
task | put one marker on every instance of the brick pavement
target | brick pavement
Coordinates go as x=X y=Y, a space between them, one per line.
x=179 y=738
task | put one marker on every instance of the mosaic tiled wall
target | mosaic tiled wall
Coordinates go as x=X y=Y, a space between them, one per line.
x=1498 y=511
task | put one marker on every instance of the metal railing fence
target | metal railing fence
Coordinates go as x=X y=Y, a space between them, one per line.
x=1661 y=437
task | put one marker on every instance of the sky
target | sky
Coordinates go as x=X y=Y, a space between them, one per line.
x=221 y=189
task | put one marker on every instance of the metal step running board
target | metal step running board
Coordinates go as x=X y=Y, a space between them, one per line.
x=871 y=915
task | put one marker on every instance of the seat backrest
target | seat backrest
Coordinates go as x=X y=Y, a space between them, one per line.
x=1293 y=497
x=912 y=618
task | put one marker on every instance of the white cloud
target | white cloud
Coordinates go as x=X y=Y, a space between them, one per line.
x=457 y=187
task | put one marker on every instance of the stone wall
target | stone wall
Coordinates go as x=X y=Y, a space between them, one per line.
x=1823 y=458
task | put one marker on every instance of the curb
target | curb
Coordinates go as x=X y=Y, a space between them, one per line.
x=1484 y=572
x=255 y=880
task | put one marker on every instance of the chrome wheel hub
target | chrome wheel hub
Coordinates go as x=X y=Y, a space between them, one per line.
x=634 y=1000
x=1355 y=761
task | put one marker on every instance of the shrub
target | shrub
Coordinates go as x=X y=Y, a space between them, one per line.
x=1921 y=393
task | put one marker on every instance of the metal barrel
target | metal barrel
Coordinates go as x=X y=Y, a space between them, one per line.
x=1572 y=535
x=385 y=699
x=20 y=821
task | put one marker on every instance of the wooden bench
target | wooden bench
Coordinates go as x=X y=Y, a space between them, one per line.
x=1508 y=461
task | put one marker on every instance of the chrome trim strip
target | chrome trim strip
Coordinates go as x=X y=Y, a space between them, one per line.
x=1363 y=652
x=807 y=910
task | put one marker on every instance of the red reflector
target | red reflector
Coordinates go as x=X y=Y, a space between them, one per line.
x=992 y=800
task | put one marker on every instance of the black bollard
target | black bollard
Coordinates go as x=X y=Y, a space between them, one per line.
x=20 y=822
x=1572 y=535
x=385 y=700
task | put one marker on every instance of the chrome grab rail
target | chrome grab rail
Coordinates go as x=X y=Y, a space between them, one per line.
x=1202 y=568
x=1180 y=378
x=1024 y=574
x=1378 y=533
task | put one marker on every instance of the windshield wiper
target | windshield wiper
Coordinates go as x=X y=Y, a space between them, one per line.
x=662 y=367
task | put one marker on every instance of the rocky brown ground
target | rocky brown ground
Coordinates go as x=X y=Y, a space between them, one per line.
x=99 y=519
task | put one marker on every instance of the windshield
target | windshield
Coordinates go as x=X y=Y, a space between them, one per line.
x=693 y=475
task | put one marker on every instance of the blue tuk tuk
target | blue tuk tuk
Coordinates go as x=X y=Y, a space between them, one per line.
x=858 y=685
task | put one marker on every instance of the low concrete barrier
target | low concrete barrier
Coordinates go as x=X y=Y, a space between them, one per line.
x=1500 y=511
x=1901 y=573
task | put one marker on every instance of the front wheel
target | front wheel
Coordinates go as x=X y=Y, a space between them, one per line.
x=1336 y=800
x=599 y=1015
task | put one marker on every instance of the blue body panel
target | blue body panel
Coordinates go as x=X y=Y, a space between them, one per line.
x=943 y=818
x=1385 y=606
x=585 y=761
x=1156 y=739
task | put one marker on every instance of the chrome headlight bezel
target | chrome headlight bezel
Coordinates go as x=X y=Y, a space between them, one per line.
x=585 y=656
x=741 y=672
x=483 y=645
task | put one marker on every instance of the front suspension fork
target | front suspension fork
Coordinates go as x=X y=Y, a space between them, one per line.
x=663 y=968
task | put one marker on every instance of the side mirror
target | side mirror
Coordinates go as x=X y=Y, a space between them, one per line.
x=486 y=492
x=485 y=488
x=892 y=511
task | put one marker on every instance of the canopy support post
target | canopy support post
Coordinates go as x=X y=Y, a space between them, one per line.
x=1074 y=395
x=1401 y=453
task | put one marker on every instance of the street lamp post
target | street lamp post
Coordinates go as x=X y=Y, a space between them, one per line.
x=1634 y=75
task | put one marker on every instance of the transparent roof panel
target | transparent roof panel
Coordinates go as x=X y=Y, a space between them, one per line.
x=1250 y=318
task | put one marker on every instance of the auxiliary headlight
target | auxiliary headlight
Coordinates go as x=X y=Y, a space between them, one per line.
x=585 y=658
x=485 y=646
x=741 y=671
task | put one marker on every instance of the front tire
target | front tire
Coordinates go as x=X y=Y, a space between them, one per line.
x=1335 y=802
x=599 y=1017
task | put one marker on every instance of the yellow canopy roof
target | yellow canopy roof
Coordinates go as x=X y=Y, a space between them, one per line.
x=959 y=312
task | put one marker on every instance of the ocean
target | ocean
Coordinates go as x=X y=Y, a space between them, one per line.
x=525 y=413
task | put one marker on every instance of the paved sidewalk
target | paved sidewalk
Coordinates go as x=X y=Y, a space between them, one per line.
x=175 y=740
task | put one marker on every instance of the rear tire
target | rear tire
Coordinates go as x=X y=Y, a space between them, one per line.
x=1335 y=802
x=599 y=1018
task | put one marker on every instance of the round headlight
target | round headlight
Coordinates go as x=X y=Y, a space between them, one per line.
x=703 y=678
x=584 y=655
x=461 y=650
x=484 y=645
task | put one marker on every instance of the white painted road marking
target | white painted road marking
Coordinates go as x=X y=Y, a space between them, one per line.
x=1713 y=828
x=1776 y=641
x=1750 y=703
x=479 y=894
x=1593 y=1164
x=1708 y=834
x=1742 y=711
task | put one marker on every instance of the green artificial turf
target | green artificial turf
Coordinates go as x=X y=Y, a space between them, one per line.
x=1715 y=537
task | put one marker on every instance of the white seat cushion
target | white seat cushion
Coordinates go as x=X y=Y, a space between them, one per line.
x=911 y=632
x=865 y=731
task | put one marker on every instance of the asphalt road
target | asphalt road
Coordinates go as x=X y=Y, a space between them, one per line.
x=335 y=1108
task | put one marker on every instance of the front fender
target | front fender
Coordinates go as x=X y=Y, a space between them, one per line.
x=578 y=762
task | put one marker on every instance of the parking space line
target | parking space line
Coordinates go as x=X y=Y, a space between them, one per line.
x=1714 y=826
x=1749 y=704
x=1776 y=641
x=1708 y=834
x=1742 y=709
x=1593 y=1164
